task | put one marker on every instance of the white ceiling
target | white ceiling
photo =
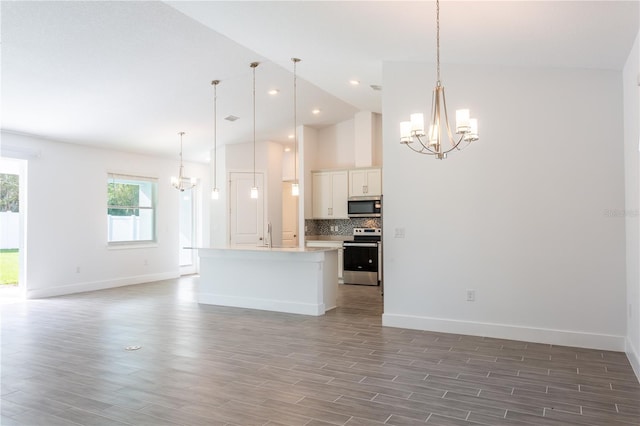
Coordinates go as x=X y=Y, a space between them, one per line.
x=131 y=75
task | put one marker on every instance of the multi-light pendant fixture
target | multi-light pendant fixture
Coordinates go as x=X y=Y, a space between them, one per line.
x=466 y=127
x=180 y=183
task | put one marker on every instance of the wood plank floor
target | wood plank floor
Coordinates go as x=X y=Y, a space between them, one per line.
x=64 y=363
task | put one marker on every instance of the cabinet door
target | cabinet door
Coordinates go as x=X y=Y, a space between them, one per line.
x=374 y=182
x=365 y=183
x=357 y=183
x=340 y=190
x=322 y=195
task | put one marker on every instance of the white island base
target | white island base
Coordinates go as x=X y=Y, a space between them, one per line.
x=299 y=281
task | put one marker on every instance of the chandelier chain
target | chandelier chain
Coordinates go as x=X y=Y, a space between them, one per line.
x=438 y=39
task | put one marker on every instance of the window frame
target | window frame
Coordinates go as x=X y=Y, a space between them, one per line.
x=136 y=180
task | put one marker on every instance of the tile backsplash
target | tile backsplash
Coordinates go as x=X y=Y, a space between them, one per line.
x=339 y=226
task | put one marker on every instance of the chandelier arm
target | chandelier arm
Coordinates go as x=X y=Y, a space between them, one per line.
x=424 y=148
x=422 y=151
x=434 y=127
x=446 y=120
x=456 y=146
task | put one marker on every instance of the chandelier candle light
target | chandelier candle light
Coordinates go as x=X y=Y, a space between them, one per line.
x=295 y=187
x=254 y=189
x=179 y=182
x=215 y=193
x=466 y=127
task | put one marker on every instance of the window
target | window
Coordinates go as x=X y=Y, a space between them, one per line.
x=131 y=209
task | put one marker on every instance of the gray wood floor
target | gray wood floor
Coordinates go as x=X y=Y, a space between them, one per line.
x=64 y=363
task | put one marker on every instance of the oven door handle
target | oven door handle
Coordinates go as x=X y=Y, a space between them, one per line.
x=360 y=244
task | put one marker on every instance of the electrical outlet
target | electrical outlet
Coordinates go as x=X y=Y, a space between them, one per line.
x=399 y=232
x=471 y=295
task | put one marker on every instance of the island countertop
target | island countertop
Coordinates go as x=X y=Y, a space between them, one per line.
x=265 y=248
x=284 y=279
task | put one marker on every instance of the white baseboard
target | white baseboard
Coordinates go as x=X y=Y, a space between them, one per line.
x=98 y=285
x=634 y=358
x=262 y=304
x=511 y=332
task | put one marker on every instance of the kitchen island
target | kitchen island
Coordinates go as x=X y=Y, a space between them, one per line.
x=293 y=280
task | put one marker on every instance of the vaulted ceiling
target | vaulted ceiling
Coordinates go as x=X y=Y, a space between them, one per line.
x=131 y=75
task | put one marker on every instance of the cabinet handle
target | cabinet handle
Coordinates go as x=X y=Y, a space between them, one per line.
x=366 y=189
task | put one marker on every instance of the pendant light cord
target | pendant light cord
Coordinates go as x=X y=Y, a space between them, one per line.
x=215 y=132
x=254 y=65
x=295 y=120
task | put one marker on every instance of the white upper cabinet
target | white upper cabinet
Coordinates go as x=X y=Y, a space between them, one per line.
x=330 y=194
x=365 y=182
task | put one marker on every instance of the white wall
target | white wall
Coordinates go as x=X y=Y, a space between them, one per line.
x=520 y=216
x=631 y=90
x=67 y=220
x=239 y=158
x=337 y=148
x=219 y=208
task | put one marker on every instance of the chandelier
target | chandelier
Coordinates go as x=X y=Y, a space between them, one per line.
x=179 y=182
x=215 y=193
x=431 y=143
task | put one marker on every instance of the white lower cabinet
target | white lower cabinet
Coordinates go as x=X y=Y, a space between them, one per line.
x=331 y=244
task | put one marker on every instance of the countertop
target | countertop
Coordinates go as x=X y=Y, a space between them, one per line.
x=329 y=237
x=267 y=249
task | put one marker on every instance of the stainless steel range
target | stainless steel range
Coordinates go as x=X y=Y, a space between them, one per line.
x=363 y=257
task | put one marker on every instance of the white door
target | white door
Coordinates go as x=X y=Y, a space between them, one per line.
x=246 y=215
x=289 y=217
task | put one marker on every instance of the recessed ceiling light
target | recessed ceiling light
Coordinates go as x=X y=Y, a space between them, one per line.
x=354 y=82
x=291 y=136
x=287 y=149
x=316 y=111
x=273 y=92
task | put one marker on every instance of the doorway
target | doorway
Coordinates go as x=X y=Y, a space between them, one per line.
x=289 y=216
x=12 y=228
x=246 y=215
x=188 y=221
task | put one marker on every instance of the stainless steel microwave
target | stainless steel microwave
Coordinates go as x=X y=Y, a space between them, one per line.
x=364 y=207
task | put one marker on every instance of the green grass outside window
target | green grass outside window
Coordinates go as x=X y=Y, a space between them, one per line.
x=9 y=267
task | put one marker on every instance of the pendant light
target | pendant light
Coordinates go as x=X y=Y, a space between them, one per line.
x=179 y=182
x=295 y=187
x=215 y=193
x=466 y=127
x=254 y=189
